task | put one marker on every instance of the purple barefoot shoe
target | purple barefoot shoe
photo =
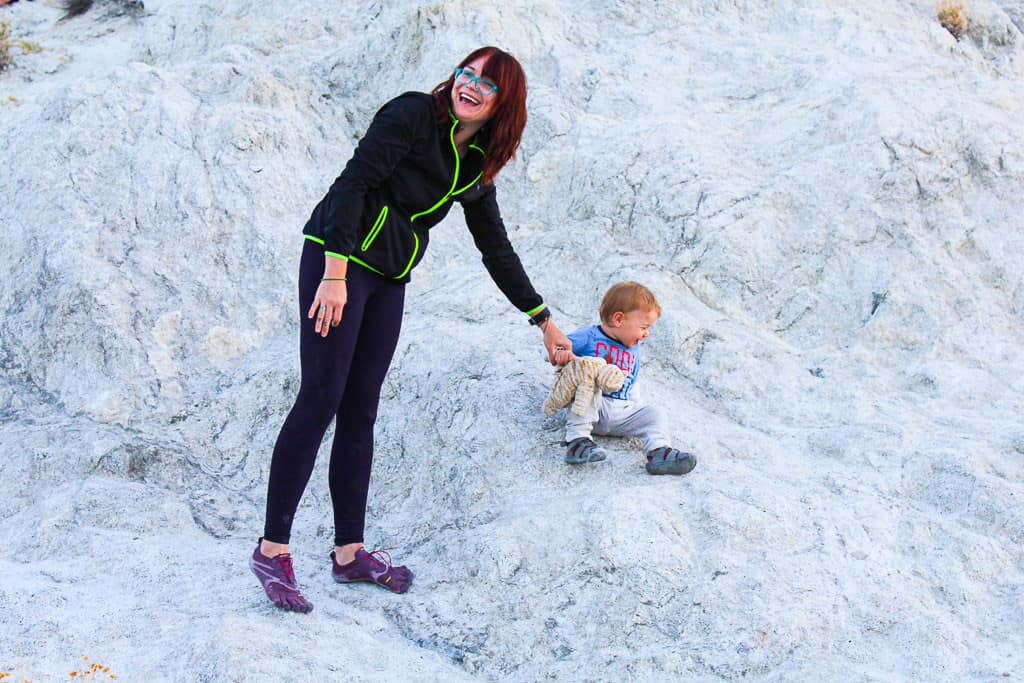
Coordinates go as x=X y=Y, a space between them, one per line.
x=374 y=568
x=278 y=579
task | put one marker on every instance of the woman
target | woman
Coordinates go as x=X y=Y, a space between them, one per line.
x=421 y=153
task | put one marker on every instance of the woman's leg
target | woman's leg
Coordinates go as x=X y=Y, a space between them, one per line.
x=326 y=363
x=352 y=451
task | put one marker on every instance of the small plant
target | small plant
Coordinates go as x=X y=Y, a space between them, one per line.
x=28 y=47
x=92 y=672
x=5 y=45
x=953 y=17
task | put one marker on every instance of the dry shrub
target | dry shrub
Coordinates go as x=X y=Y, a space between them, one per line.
x=953 y=17
x=5 y=45
x=28 y=47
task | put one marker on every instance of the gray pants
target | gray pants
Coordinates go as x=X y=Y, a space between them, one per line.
x=617 y=417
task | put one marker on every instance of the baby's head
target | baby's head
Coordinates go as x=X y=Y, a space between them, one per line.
x=628 y=310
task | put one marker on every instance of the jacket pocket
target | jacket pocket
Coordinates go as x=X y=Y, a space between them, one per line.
x=375 y=229
x=390 y=247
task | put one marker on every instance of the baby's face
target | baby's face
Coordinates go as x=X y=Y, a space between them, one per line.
x=633 y=327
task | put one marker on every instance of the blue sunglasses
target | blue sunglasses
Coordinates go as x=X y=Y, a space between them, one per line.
x=480 y=84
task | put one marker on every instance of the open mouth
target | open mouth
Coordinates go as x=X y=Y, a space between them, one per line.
x=469 y=99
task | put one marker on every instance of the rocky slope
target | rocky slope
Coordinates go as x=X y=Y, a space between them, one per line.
x=825 y=198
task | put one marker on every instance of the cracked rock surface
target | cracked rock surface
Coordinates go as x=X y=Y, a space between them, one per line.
x=826 y=198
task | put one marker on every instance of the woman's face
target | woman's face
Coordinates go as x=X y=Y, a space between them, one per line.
x=469 y=104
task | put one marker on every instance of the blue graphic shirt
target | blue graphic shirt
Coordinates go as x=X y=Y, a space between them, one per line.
x=592 y=341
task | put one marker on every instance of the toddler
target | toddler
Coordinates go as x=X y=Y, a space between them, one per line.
x=628 y=310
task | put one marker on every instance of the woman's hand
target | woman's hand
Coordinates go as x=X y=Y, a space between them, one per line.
x=331 y=296
x=558 y=345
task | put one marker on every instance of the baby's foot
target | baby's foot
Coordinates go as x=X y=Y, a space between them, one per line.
x=369 y=567
x=584 y=450
x=668 y=460
x=278 y=579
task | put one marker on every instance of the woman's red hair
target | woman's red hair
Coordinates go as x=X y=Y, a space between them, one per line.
x=502 y=134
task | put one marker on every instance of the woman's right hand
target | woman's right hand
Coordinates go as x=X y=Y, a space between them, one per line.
x=328 y=303
x=558 y=346
x=331 y=296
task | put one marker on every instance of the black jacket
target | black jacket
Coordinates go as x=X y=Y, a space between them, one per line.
x=401 y=181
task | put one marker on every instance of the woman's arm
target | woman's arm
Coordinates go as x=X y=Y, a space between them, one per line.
x=484 y=221
x=483 y=218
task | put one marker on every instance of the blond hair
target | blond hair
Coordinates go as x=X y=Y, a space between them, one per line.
x=626 y=297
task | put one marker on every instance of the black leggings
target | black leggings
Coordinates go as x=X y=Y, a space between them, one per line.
x=341 y=379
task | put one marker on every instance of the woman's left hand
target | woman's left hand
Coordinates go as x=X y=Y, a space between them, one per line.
x=557 y=344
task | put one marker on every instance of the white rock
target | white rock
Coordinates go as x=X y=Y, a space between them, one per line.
x=826 y=199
